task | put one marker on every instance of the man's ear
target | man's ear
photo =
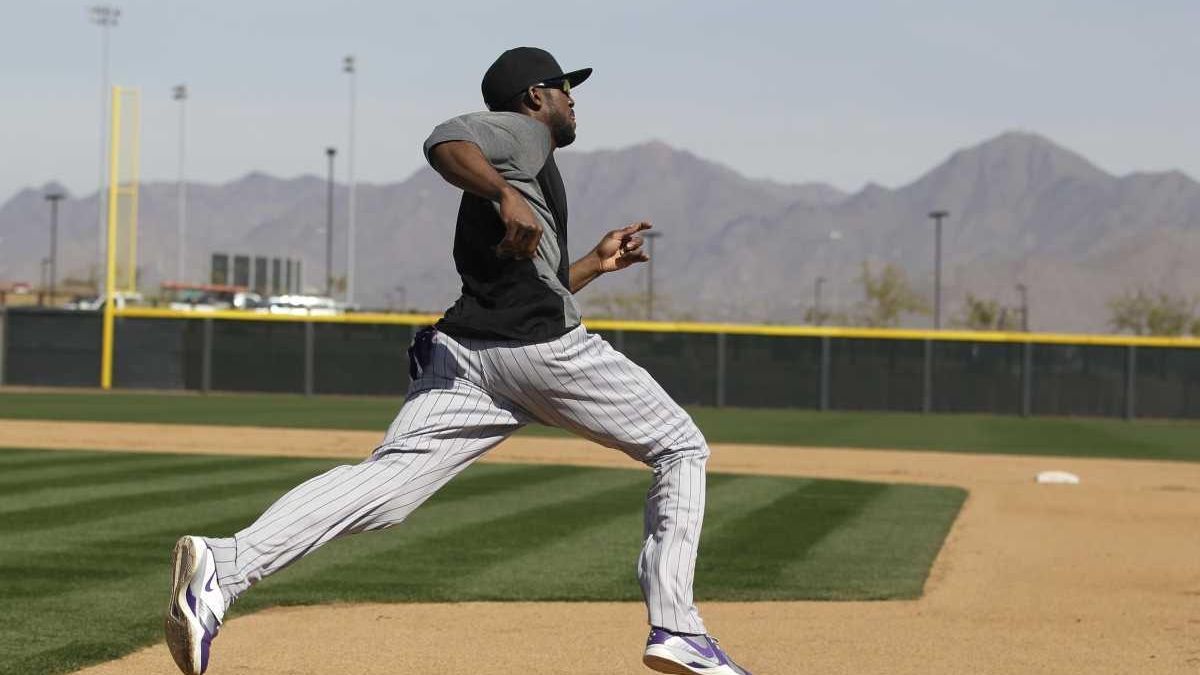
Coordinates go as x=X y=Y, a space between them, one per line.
x=535 y=98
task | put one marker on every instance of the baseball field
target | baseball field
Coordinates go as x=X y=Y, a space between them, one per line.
x=834 y=543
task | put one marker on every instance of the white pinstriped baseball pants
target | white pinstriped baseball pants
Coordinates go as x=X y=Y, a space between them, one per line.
x=470 y=395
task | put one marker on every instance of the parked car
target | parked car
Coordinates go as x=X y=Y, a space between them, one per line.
x=302 y=305
x=210 y=297
x=122 y=299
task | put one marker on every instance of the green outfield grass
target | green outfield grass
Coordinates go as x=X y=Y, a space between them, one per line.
x=1076 y=437
x=85 y=540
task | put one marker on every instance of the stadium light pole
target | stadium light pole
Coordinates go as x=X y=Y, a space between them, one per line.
x=349 y=67
x=180 y=93
x=1024 y=291
x=54 y=198
x=105 y=16
x=330 y=153
x=650 y=236
x=833 y=237
x=817 y=317
x=41 y=299
x=937 y=217
x=403 y=297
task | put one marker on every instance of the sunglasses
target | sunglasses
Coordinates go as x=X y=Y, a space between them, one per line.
x=564 y=85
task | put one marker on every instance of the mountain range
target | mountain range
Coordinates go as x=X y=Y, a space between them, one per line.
x=1022 y=210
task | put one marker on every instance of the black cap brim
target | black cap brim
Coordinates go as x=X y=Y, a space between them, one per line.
x=576 y=77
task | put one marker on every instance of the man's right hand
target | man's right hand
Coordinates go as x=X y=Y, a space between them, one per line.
x=522 y=229
x=463 y=165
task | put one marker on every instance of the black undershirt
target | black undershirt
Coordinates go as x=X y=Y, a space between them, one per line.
x=503 y=298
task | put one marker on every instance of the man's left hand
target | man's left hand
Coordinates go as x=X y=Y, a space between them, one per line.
x=621 y=248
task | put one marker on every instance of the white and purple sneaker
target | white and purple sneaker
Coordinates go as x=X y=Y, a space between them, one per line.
x=667 y=652
x=197 y=606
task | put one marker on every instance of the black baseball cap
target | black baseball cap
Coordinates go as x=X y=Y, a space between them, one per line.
x=523 y=67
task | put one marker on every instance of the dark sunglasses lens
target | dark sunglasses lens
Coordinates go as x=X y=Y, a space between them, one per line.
x=564 y=85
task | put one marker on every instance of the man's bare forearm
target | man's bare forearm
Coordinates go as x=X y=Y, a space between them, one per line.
x=584 y=271
x=617 y=250
x=463 y=165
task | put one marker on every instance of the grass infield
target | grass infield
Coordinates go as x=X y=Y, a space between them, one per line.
x=1073 y=437
x=85 y=540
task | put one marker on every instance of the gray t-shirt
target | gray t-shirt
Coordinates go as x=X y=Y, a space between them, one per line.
x=526 y=300
x=516 y=145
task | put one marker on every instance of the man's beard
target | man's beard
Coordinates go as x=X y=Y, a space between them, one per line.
x=562 y=130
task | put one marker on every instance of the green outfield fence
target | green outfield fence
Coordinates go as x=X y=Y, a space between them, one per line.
x=815 y=368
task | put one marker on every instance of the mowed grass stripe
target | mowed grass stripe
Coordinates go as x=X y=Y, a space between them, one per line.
x=732 y=498
x=250 y=503
x=14 y=456
x=59 y=458
x=33 y=573
x=504 y=539
x=442 y=541
x=147 y=529
x=884 y=552
x=483 y=492
x=597 y=558
x=120 y=522
x=148 y=550
x=69 y=657
x=49 y=492
x=69 y=468
x=170 y=492
x=41 y=574
x=594 y=559
x=778 y=532
x=16 y=459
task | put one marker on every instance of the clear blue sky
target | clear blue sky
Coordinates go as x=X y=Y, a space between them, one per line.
x=844 y=92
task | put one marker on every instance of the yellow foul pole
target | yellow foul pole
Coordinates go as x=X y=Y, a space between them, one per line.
x=131 y=188
x=110 y=277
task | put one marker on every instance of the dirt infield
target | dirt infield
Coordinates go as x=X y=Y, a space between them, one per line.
x=1101 y=577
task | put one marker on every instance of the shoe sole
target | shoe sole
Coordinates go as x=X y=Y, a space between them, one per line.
x=182 y=641
x=659 y=658
x=664 y=665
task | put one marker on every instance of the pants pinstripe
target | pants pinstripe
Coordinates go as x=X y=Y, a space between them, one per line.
x=469 y=396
